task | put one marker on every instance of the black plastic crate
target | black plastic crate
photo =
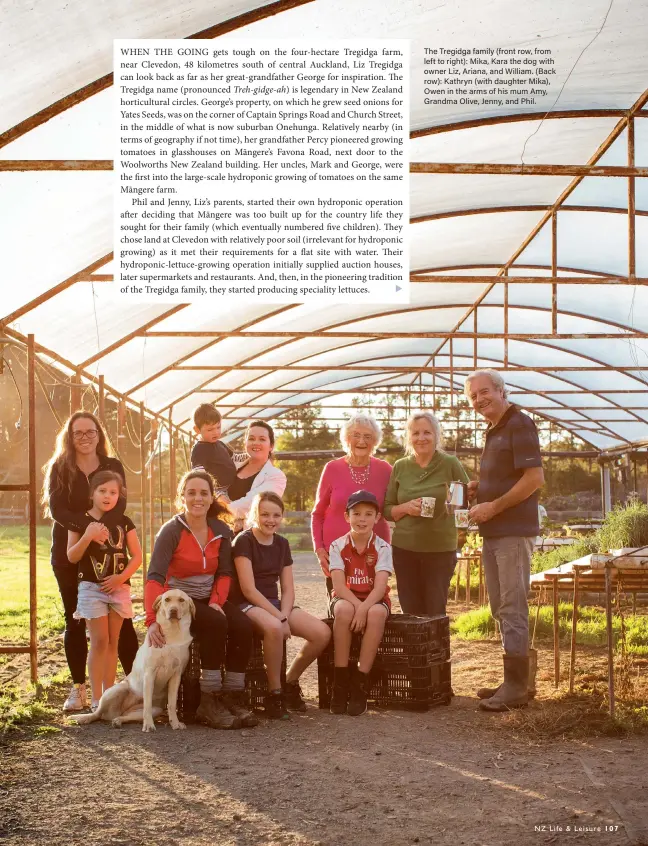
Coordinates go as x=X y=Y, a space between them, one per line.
x=433 y=654
x=256 y=687
x=256 y=658
x=409 y=635
x=256 y=684
x=189 y=690
x=413 y=688
x=407 y=640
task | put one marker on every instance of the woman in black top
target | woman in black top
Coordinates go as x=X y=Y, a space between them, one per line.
x=81 y=450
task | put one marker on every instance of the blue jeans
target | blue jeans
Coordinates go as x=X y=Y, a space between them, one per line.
x=507 y=568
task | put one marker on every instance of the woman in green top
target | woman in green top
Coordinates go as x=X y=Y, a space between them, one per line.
x=425 y=547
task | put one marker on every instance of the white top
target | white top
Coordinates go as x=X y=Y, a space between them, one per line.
x=269 y=478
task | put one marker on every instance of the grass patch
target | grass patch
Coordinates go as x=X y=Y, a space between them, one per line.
x=581 y=714
x=542 y=561
x=624 y=526
x=20 y=708
x=14 y=577
x=478 y=624
x=14 y=597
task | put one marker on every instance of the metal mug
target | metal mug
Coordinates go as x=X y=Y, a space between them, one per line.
x=457 y=496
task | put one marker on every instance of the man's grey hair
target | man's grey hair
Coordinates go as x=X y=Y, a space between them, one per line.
x=423 y=414
x=360 y=418
x=493 y=375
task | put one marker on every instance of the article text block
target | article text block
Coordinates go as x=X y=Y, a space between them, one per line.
x=269 y=171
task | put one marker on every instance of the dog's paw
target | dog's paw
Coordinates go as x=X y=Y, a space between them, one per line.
x=177 y=725
x=148 y=726
x=117 y=723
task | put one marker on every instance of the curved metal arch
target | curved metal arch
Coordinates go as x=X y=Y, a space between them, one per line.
x=425 y=218
x=488 y=279
x=589 y=390
x=561 y=378
x=204 y=347
x=566 y=114
x=236 y=429
x=88 y=270
x=422 y=369
x=98 y=85
x=356 y=343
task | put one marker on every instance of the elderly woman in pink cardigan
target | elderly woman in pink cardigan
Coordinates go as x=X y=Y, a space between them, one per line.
x=357 y=470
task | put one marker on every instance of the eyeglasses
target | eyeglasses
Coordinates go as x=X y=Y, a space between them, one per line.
x=89 y=435
x=357 y=437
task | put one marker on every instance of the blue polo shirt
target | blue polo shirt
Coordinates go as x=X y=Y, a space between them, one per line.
x=511 y=446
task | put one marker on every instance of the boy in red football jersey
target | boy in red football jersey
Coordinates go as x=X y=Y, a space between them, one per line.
x=360 y=563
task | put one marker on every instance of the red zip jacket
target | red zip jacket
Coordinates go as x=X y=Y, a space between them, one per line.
x=179 y=561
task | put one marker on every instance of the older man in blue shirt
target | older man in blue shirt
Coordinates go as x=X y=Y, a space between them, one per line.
x=506 y=511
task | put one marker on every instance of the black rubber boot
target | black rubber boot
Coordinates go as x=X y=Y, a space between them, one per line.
x=358 y=693
x=514 y=692
x=340 y=695
x=487 y=692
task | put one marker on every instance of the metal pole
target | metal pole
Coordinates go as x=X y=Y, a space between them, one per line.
x=632 y=251
x=556 y=632
x=506 y=320
x=75 y=393
x=102 y=401
x=572 y=656
x=33 y=597
x=606 y=491
x=172 y=459
x=154 y=427
x=554 y=272
x=610 y=638
x=451 y=376
x=143 y=488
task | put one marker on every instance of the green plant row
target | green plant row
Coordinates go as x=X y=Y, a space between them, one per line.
x=478 y=624
x=624 y=526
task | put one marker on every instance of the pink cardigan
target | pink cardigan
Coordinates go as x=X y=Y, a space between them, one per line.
x=334 y=489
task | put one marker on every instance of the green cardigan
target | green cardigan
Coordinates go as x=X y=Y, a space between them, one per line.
x=410 y=481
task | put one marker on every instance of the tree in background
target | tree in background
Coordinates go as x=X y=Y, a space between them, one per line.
x=300 y=430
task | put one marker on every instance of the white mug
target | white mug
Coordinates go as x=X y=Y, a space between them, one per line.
x=427 y=506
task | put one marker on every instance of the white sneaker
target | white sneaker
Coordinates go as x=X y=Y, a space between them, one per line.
x=77 y=699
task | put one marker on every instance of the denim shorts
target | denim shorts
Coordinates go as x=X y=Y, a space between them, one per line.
x=93 y=602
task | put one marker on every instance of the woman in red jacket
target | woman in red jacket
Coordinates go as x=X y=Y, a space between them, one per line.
x=193 y=552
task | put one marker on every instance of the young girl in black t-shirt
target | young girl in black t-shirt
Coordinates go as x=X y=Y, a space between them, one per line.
x=101 y=554
x=263 y=563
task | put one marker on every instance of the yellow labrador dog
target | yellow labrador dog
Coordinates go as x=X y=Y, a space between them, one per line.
x=141 y=695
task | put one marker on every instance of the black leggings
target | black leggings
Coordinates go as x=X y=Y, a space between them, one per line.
x=222 y=638
x=76 y=645
x=423 y=580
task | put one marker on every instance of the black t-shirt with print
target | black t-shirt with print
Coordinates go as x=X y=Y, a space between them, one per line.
x=267 y=564
x=111 y=557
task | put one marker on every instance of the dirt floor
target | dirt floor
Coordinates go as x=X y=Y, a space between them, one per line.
x=452 y=775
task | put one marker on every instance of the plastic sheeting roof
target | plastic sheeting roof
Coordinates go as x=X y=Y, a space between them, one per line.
x=57 y=224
